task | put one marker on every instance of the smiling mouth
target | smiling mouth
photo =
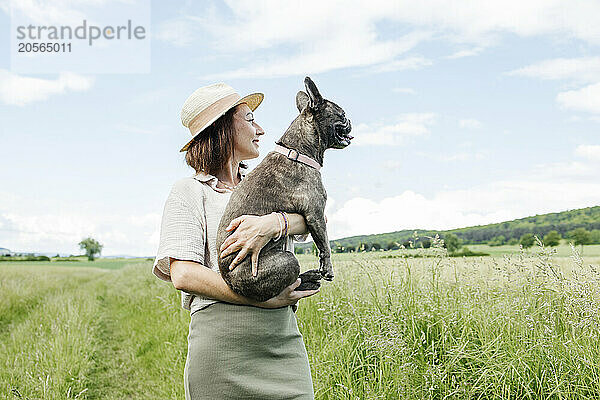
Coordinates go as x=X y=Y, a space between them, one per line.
x=255 y=142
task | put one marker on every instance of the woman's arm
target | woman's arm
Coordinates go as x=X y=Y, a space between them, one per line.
x=194 y=278
x=253 y=232
x=296 y=224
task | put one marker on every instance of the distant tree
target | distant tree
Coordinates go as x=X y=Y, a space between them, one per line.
x=407 y=244
x=91 y=247
x=497 y=241
x=375 y=246
x=512 y=241
x=314 y=249
x=527 y=240
x=337 y=248
x=580 y=236
x=452 y=242
x=392 y=245
x=595 y=236
x=552 y=239
x=426 y=243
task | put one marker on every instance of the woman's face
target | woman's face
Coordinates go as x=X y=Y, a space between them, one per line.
x=247 y=133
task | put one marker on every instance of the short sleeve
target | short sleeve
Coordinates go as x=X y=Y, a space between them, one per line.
x=182 y=235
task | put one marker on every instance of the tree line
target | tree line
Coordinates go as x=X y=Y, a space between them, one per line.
x=582 y=227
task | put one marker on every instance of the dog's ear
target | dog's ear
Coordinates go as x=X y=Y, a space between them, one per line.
x=315 y=98
x=301 y=100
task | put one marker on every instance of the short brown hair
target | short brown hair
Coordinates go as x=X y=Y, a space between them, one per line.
x=210 y=151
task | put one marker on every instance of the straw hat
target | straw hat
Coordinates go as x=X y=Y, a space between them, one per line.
x=208 y=103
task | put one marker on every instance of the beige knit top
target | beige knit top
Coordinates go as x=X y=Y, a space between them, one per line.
x=190 y=220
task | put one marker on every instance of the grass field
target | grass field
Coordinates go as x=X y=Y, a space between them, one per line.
x=563 y=250
x=519 y=326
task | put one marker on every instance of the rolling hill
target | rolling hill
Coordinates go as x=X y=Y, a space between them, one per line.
x=562 y=222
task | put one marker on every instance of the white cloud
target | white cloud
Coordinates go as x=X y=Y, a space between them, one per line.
x=20 y=90
x=584 y=99
x=404 y=90
x=392 y=164
x=465 y=53
x=141 y=130
x=50 y=12
x=461 y=156
x=289 y=38
x=464 y=156
x=547 y=188
x=591 y=152
x=395 y=134
x=61 y=230
x=410 y=63
x=469 y=123
x=576 y=70
x=180 y=32
x=342 y=50
x=569 y=171
x=58 y=12
x=57 y=225
x=490 y=203
x=583 y=69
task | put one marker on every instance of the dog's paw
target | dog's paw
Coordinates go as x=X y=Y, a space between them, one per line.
x=326 y=269
x=310 y=280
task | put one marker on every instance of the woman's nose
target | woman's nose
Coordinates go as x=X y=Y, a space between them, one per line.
x=259 y=129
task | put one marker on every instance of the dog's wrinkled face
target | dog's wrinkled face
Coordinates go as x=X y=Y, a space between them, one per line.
x=329 y=118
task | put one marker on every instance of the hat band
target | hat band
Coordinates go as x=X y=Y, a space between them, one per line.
x=208 y=114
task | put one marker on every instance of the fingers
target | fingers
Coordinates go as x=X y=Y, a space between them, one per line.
x=235 y=222
x=255 y=262
x=308 y=293
x=294 y=285
x=238 y=259
x=297 y=295
x=226 y=243
x=230 y=248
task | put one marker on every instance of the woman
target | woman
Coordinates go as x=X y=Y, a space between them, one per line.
x=237 y=348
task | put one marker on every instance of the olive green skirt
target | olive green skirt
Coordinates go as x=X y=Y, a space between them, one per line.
x=243 y=352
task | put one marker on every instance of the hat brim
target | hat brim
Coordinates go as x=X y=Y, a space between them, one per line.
x=252 y=100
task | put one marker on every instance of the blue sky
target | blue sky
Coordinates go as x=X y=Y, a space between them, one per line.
x=463 y=113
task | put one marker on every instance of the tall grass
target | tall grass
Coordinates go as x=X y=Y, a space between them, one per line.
x=517 y=327
x=523 y=326
x=84 y=333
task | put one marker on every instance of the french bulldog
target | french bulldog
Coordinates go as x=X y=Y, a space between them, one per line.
x=283 y=183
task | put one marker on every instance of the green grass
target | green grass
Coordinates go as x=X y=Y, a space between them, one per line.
x=103 y=263
x=521 y=326
x=563 y=250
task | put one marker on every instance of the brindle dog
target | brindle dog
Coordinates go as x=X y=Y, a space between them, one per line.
x=279 y=183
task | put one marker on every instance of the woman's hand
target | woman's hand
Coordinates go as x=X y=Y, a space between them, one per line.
x=287 y=297
x=252 y=233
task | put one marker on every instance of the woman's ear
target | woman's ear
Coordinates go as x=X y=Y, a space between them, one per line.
x=301 y=100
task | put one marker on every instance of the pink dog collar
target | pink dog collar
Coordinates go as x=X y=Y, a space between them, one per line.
x=296 y=156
